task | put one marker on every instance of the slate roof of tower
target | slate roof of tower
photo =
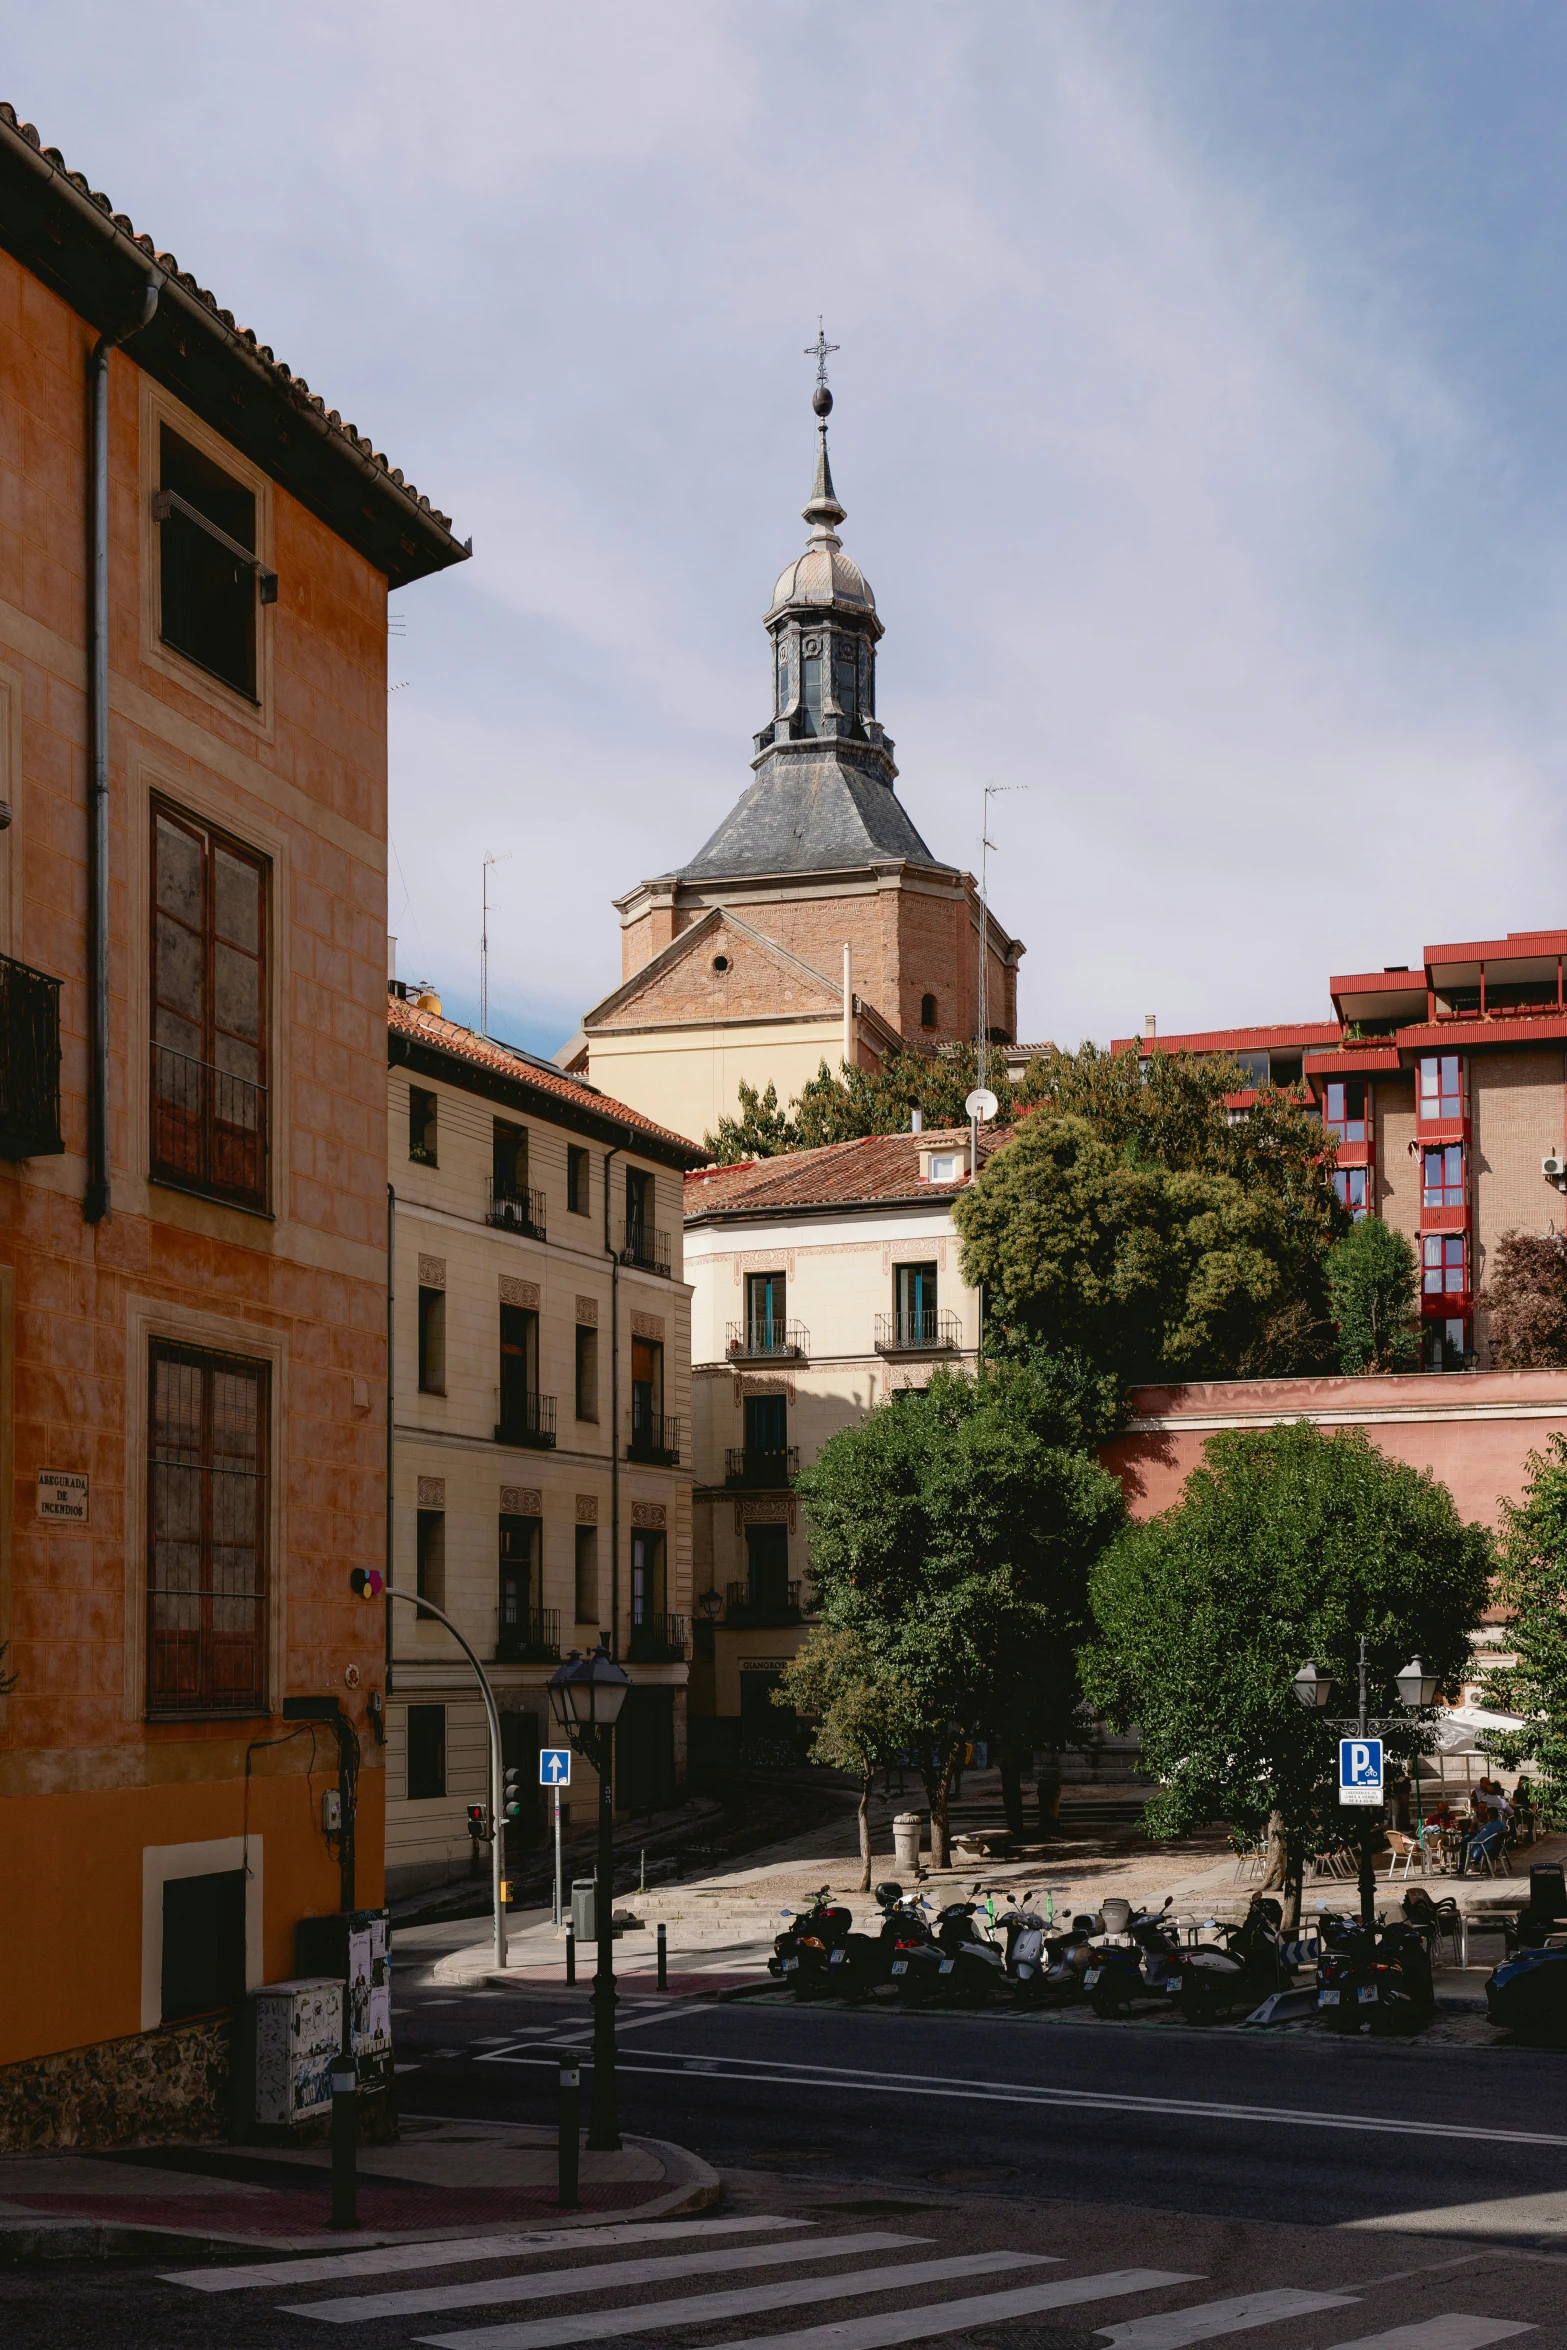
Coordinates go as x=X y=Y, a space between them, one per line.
x=810 y=816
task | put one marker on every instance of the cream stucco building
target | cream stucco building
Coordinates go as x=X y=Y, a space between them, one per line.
x=541 y=1479
x=821 y=1282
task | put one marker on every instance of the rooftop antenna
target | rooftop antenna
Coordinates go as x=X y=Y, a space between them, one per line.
x=484 y=941
x=992 y=791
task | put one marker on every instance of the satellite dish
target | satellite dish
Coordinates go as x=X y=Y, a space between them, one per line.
x=982 y=1104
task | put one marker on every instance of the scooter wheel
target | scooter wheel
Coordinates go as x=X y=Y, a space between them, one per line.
x=1108 y=2010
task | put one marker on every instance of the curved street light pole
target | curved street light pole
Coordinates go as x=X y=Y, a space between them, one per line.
x=497 y=1772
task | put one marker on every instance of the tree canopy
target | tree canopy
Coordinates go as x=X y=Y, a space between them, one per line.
x=1373 y=1283
x=1525 y=1300
x=862 y=1716
x=952 y=1532
x=1532 y=1585
x=857 y=1102
x=1285 y=1545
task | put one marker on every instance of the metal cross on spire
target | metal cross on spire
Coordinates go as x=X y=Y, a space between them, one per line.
x=818 y=351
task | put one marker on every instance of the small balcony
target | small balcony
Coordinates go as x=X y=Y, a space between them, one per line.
x=754 y=1608
x=767 y=1342
x=655 y=1438
x=935 y=1333
x=533 y=1640
x=529 y=1420
x=650 y=1251
x=516 y=1211
x=29 y=1062
x=209 y=1129
x=749 y=1466
x=659 y=1640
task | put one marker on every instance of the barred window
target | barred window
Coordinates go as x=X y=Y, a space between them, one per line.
x=206 y=1533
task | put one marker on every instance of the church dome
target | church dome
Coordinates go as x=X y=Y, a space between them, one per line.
x=822 y=576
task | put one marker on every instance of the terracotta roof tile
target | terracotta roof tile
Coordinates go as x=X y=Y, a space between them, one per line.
x=877 y=1168
x=449 y=1036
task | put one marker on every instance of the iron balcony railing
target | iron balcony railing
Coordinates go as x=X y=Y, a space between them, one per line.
x=659 y=1640
x=922 y=1334
x=29 y=1062
x=534 y=1639
x=527 y=1419
x=757 y=1465
x=768 y=1340
x=640 y=1245
x=209 y=1128
x=654 y=1437
x=746 y=1606
x=520 y=1210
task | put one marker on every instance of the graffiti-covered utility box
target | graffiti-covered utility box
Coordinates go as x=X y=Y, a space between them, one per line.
x=296 y=2030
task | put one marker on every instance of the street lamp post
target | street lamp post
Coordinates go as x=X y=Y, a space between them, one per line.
x=587 y=1694
x=1416 y=1688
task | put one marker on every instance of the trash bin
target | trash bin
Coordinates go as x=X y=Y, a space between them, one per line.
x=584 y=1910
x=906 y=1832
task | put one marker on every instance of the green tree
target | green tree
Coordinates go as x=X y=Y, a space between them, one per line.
x=856 y=1102
x=1526 y=1302
x=951 y=1533
x=861 y=1716
x=1532 y=1585
x=1149 y=1273
x=1374 y=1286
x=1286 y=1544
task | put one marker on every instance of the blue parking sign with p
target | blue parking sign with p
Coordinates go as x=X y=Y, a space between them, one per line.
x=555 y=1766
x=1360 y=1770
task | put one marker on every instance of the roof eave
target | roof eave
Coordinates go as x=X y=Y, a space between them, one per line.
x=432 y=1059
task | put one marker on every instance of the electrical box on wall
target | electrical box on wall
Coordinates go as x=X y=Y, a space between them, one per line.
x=332 y=1811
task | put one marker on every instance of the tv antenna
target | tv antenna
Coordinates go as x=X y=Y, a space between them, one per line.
x=992 y=791
x=484 y=941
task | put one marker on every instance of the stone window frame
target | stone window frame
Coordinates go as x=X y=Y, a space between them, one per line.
x=215 y=1856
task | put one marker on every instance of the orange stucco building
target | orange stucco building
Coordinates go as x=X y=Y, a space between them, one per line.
x=195 y=556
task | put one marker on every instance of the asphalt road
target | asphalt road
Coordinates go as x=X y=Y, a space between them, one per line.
x=1367 y=2187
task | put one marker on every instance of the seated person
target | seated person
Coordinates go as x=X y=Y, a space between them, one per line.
x=1523 y=1813
x=1487 y=1836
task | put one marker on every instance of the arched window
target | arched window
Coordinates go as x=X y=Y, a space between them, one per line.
x=928 y=1011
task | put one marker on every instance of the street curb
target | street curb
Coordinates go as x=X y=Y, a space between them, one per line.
x=24 y=2240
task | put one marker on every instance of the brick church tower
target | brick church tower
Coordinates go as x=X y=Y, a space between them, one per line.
x=814 y=925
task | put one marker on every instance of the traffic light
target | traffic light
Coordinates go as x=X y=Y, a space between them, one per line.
x=479 y=1823
x=511 y=1801
x=367 y=1582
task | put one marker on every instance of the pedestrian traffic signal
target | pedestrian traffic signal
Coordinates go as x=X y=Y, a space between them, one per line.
x=478 y=1823
x=367 y=1582
x=512 y=1794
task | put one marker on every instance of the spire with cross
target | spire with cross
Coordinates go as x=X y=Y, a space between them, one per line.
x=819 y=351
x=824 y=512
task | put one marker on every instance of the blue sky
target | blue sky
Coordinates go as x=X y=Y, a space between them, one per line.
x=1201 y=406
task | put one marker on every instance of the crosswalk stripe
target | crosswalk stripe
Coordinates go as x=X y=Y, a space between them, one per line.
x=604 y=2277
x=1206 y=2320
x=702 y=2309
x=1453 y=2332
x=888 y=2329
x=453 y=2252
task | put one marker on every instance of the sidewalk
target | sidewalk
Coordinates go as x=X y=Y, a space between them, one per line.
x=444 y=2178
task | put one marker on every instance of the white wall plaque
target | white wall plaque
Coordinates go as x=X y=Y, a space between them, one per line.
x=62 y=1496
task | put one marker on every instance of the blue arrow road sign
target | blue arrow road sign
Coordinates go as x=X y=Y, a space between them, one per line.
x=555 y=1766
x=1360 y=1770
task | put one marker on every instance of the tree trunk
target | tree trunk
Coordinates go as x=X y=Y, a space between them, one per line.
x=939 y=1846
x=1294 y=1882
x=865 y=1833
x=1012 y=1785
x=1276 y=1875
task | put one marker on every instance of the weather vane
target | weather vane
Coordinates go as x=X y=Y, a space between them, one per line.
x=818 y=351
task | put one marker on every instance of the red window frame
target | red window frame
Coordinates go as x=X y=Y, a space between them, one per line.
x=1442 y=1175
x=1439 y=1087
x=1352 y=1185
x=1444 y=1264
x=1344 y=1109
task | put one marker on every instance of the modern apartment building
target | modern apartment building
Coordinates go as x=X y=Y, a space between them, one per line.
x=542 y=1413
x=1444 y=1085
x=195 y=554
x=821 y=1283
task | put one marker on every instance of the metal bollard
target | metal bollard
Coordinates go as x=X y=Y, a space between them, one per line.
x=568 y=2122
x=663 y=1958
x=571 y=1952
x=345 y=2143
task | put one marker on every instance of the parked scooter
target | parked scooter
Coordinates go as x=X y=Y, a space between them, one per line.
x=803 y=1952
x=962 y=1965
x=1248 y=1962
x=1527 y=1993
x=1038 y=1952
x=1376 y=1980
x=862 y=1965
x=1136 y=1964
